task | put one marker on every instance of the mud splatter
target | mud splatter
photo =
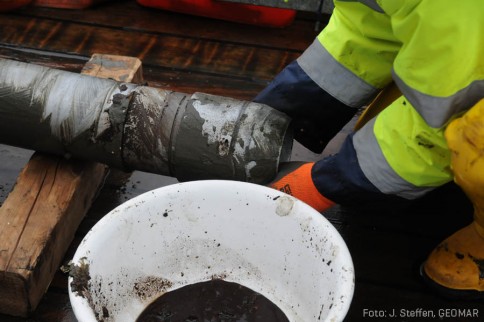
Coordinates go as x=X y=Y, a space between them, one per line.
x=150 y=286
x=80 y=277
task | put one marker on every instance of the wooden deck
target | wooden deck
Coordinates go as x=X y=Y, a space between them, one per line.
x=188 y=54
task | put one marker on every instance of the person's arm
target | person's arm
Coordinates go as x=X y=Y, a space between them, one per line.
x=342 y=70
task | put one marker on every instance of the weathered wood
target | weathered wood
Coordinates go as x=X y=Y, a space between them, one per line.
x=40 y=216
x=168 y=51
x=38 y=221
x=131 y=16
x=120 y=68
x=71 y=63
x=66 y=4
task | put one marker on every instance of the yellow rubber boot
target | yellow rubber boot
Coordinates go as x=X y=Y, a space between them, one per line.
x=456 y=266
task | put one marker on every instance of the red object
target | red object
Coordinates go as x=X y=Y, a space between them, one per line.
x=237 y=12
x=66 y=4
x=7 y=5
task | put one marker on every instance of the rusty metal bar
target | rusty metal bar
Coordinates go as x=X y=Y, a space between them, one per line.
x=190 y=137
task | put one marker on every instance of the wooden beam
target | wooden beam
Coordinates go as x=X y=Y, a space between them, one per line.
x=131 y=16
x=39 y=218
x=120 y=68
x=209 y=56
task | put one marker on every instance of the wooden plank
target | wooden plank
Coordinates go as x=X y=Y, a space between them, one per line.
x=71 y=63
x=120 y=68
x=167 y=51
x=131 y=16
x=38 y=220
x=41 y=214
x=66 y=4
x=188 y=82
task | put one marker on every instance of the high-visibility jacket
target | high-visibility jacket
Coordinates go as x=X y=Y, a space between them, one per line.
x=432 y=49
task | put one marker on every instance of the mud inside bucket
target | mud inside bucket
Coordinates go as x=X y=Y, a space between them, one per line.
x=194 y=232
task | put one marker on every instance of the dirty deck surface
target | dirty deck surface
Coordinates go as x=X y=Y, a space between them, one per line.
x=188 y=54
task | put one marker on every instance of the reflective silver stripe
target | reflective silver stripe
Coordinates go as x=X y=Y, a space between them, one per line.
x=437 y=111
x=373 y=4
x=376 y=168
x=334 y=78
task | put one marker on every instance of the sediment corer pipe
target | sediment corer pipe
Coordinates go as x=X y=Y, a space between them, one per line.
x=133 y=127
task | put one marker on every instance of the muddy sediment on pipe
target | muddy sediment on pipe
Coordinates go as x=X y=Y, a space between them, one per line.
x=131 y=127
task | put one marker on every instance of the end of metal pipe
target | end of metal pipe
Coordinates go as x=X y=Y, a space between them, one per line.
x=223 y=138
x=202 y=136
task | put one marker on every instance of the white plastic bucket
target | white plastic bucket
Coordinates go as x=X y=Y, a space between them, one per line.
x=191 y=232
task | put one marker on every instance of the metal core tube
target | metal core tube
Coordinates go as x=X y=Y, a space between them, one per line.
x=133 y=127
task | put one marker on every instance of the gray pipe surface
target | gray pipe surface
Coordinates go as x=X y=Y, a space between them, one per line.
x=134 y=127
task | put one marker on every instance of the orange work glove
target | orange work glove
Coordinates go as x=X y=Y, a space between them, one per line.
x=294 y=178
